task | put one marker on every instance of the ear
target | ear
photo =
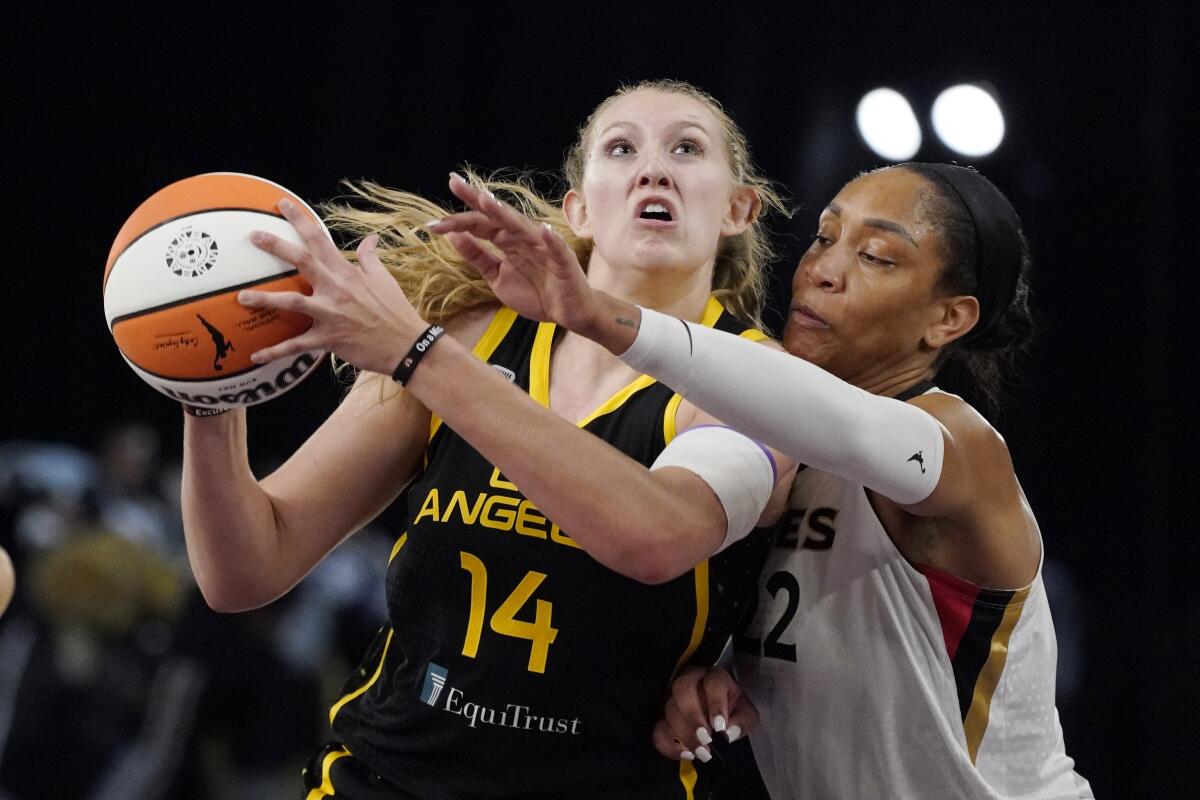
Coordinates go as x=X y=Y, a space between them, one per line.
x=744 y=208
x=575 y=210
x=951 y=318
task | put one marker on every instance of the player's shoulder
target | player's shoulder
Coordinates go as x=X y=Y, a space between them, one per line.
x=959 y=417
x=469 y=325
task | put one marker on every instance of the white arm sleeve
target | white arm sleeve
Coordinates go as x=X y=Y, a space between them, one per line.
x=887 y=445
x=740 y=472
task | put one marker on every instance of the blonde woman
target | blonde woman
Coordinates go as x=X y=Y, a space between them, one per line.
x=564 y=556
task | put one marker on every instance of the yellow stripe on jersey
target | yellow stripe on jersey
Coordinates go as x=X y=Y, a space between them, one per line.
x=326 y=788
x=378 y=671
x=539 y=364
x=539 y=369
x=753 y=334
x=669 y=414
x=700 y=571
x=497 y=329
x=687 y=776
x=396 y=547
x=618 y=399
x=975 y=724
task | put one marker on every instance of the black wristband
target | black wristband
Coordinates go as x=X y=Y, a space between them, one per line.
x=408 y=364
x=202 y=411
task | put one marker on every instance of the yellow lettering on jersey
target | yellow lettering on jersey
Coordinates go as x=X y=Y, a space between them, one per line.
x=497 y=481
x=499 y=519
x=459 y=499
x=556 y=535
x=429 y=508
x=527 y=515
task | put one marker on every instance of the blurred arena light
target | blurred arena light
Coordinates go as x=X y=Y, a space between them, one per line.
x=888 y=125
x=968 y=120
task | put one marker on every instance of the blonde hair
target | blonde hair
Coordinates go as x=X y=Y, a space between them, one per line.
x=440 y=283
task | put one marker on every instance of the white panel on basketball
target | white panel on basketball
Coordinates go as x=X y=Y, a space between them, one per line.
x=142 y=279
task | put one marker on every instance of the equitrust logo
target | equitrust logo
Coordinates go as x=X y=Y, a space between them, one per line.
x=436 y=693
x=435 y=679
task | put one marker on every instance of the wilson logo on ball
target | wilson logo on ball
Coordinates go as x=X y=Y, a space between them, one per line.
x=191 y=253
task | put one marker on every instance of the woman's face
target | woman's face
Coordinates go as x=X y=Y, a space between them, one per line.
x=657 y=188
x=864 y=294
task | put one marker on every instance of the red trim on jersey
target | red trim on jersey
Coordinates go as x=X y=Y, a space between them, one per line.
x=954 y=599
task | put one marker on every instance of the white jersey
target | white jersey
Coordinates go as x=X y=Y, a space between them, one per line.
x=877 y=678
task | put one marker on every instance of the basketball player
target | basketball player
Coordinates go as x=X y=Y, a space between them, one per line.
x=563 y=557
x=902 y=646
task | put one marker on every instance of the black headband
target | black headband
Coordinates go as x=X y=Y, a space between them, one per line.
x=997 y=238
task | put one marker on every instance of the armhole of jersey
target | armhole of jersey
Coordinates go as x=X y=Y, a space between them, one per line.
x=977 y=625
x=497 y=329
x=670 y=413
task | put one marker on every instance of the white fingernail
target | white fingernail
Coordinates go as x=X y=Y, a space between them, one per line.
x=718 y=723
x=703 y=754
x=734 y=732
x=688 y=755
x=703 y=735
x=432 y=222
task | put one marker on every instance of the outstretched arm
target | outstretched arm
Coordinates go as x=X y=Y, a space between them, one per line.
x=667 y=519
x=791 y=405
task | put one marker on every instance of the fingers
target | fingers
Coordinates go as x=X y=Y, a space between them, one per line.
x=667 y=745
x=283 y=301
x=720 y=693
x=476 y=254
x=313 y=234
x=474 y=222
x=500 y=214
x=464 y=191
x=743 y=719
x=290 y=347
x=681 y=721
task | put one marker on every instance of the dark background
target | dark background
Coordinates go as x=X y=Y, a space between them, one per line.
x=103 y=108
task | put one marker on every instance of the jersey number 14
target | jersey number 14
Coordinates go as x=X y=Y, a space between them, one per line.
x=504 y=621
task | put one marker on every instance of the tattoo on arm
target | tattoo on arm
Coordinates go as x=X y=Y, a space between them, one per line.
x=628 y=323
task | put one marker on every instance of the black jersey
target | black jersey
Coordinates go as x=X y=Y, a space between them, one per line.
x=514 y=664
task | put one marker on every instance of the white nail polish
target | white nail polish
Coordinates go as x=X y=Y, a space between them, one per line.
x=688 y=755
x=703 y=754
x=734 y=732
x=718 y=723
x=703 y=735
x=432 y=222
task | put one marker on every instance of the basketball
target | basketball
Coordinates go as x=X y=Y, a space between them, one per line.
x=170 y=291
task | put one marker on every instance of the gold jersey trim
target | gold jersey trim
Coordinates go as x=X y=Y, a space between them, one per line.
x=539 y=368
x=976 y=722
x=326 y=788
x=497 y=329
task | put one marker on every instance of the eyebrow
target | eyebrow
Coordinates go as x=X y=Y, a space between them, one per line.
x=686 y=122
x=875 y=222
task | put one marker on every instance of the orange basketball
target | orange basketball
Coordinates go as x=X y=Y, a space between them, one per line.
x=171 y=283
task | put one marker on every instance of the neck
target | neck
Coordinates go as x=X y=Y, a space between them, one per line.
x=890 y=380
x=679 y=291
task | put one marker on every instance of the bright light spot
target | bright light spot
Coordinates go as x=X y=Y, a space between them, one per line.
x=968 y=119
x=888 y=125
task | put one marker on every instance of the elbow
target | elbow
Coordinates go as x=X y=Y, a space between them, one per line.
x=223 y=602
x=224 y=597
x=665 y=557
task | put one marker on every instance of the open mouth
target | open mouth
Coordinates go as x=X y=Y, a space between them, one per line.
x=656 y=211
